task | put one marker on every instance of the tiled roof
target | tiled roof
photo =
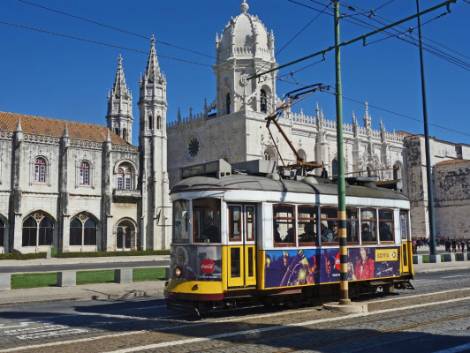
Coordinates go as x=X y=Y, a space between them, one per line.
x=452 y=162
x=37 y=125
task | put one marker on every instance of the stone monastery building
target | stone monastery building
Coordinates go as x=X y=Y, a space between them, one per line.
x=82 y=187
x=233 y=127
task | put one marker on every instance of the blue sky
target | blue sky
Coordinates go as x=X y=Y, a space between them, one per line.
x=46 y=75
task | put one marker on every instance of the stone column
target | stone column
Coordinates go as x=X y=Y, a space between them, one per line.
x=64 y=216
x=16 y=217
x=107 y=243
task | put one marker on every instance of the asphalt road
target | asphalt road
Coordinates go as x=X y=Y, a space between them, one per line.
x=403 y=323
x=82 y=266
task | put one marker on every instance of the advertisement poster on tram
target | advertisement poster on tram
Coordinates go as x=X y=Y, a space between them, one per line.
x=202 y=262
x=285 y=268
x=367 y=263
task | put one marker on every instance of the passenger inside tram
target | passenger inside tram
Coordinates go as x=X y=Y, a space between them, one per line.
x=308 y=235
x=328 y=232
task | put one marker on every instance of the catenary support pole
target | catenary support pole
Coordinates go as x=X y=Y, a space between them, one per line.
x=432 y=235
x=343 y=248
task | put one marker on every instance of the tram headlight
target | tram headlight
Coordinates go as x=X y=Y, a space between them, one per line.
x=178 y=272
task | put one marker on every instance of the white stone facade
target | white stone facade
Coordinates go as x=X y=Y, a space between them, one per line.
x=447 y=216
x=233 y=127
x=80 y=187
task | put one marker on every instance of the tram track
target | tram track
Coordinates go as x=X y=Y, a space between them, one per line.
x=226 y=329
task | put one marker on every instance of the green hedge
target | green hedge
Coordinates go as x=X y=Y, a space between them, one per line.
x=113 y=253
x=18 y=256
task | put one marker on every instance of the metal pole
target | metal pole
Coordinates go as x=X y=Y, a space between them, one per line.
x=432 y=235
x=342 y=229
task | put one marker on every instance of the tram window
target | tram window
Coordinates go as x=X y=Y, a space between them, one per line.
x=329 y=225
x=235 y=223
x=353 y=226
x=369 y=225
x=284 y=225
x=181 y=221
x=206 y=221
x=250 y=212
x=307 y=221
x=404 y=225
x=386 y=225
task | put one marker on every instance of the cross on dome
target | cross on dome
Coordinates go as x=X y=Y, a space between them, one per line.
x=244 y=6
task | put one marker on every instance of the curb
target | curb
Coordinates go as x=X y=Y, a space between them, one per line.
x=353 y=308
x=84 y=294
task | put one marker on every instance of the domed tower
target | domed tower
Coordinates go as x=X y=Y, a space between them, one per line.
x=245 y=48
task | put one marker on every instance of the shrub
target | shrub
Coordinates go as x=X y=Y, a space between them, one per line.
x=113 y=253
x=19 y=256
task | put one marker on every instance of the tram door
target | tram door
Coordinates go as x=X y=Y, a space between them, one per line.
x=406 y=247
x=241 y=257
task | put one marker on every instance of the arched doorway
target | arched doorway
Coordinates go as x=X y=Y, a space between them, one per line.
x=125 y=236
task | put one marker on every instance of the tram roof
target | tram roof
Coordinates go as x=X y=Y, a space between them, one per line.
x=260 y=183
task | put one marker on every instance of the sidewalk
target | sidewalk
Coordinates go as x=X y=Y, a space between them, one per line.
x=82 y=260
x=116 y=291
x=443 y=266
x=103 y=291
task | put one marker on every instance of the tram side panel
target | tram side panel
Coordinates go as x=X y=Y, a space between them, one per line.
x=295 y=267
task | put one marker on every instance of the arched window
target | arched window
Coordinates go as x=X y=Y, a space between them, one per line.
x=117 y=132
x=40 y=170
x=159 y=122
x=84 y=173
x=124 y=134
x=334 y=167
x=125 y=177
x=302 y=154
x=125 y=236
x=38 y=229
x=2 y=233
x=228 y=102
x=270 y=154
x=397 y=171
x=150 y=122
x=83 y=230
x=263 y=101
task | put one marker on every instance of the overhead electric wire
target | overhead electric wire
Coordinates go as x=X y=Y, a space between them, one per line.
x=408 y=33
x=385 y=20
x=111 y=27
x=386 y=110
x=429 y=48
x=307 y=25
x=96 y=42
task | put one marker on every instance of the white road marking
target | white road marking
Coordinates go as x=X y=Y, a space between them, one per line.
x=51 y=334
x=455 y=349
x=454 y=276
x=421 y=295
x=20 y=324
x=276 y=328
x=80 y=340
x=175 y=343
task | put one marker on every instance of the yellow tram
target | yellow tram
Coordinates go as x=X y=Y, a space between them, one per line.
x=245 y=232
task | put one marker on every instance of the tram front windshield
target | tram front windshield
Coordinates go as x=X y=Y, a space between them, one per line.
x=206 y=221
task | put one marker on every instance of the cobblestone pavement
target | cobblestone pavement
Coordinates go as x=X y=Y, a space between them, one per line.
x=147 y=326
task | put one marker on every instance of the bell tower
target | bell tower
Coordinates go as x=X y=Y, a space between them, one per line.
x=119 y=117
x=156 y=207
